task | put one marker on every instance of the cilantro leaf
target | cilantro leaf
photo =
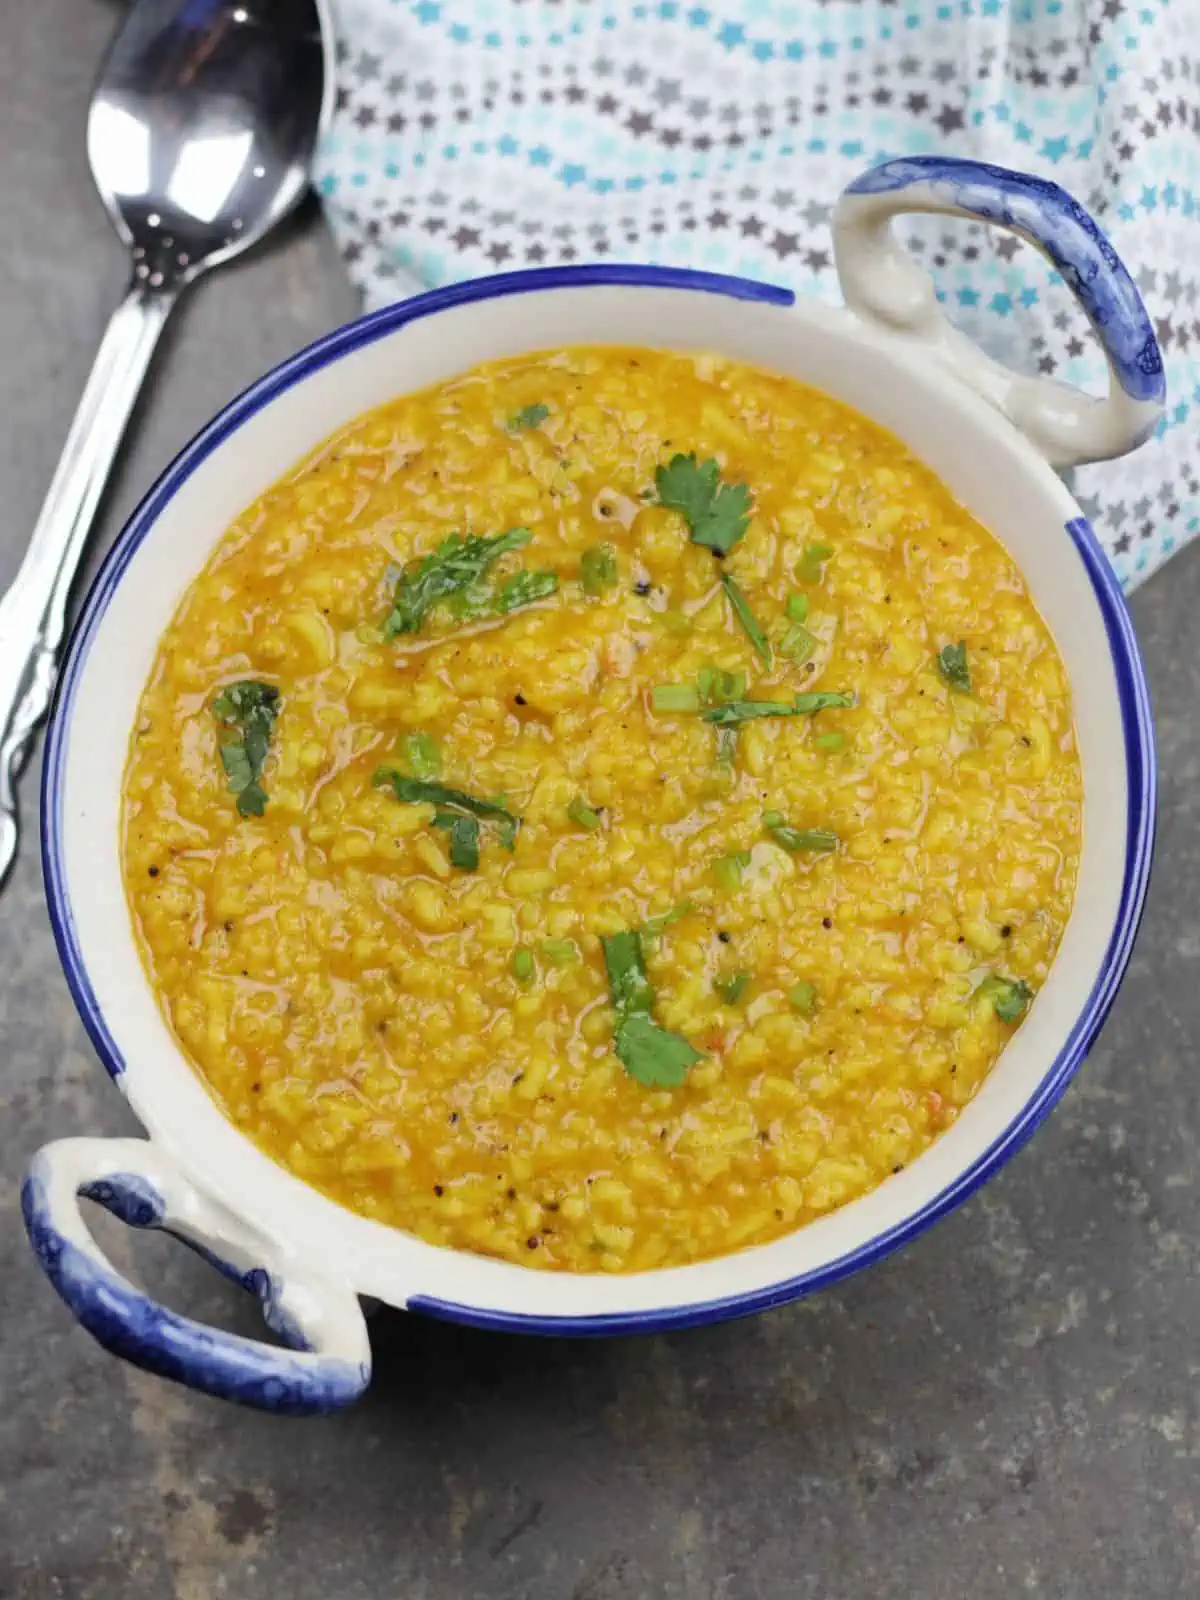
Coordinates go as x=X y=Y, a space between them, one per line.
x=249 y=710
x=750 y=623
x=625 y=964
x=1010 y=997
x=796 y=839
x=727 y=520
x=803 y=705
x=734 y=711
x=954 y=667
x=458 y=813
x=523 y=588
x=456 y=567
x=687 y=486
x=252 y=800
x=654 y=1056
x=717 y=514
x=528 y=417
x=821 y=700
x=464 y=838
x=415 y=791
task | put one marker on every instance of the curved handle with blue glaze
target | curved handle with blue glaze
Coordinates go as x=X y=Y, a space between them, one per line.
x=882 y=283
x=327 y=1364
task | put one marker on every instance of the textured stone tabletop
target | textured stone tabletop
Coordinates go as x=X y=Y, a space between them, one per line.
x=1007 y=1408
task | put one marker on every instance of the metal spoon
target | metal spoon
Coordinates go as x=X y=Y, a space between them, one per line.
x=201 y=133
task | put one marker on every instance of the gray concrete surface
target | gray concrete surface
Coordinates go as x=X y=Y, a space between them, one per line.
x=1008 y=1408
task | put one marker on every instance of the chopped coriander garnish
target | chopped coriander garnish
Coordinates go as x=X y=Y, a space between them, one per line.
x=803 y=705
x=583 y=814
x=808 y=568
x=803 y=996
x=455 y=810
x=561 y=951
x=467 y=605
x=464 y=838
x=675 y=697
x=829 y=742
x=624 y=962
x=717 y=514
x=746 y=710
x=727 y=870
x=648 y=1052
x=528 y=417
x=522 y=965
x=732 y=986
x=750 y=624
x=422 y=753
x=598 y=568
x=795 y=839
x=455 y=568
x=820 y=700
x=415 y=792
x=653 y=926
x=953 y=666
x=1010 y=997
x=797 y=608
x=653 y=1055
x=251 y=708
x=523 y=588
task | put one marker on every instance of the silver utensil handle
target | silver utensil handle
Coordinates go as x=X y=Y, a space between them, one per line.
x=33 y=612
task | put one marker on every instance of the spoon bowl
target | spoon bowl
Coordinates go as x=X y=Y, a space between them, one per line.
x=203 y=126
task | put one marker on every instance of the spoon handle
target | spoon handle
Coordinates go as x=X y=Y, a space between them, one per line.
x=34 y=610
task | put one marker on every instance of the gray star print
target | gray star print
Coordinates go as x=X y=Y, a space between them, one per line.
x=786 y=135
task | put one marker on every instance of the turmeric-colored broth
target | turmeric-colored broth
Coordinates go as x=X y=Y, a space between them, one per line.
x=855 y=903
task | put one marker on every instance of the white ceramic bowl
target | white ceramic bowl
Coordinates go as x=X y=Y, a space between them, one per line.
x=992 y=438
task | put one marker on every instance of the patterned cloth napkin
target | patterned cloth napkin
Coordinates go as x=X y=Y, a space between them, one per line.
x=473 y=136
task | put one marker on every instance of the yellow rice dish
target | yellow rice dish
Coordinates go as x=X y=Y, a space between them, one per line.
x=604 y=811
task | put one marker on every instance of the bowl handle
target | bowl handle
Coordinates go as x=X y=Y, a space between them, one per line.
x=883 y=284
x=328 y=1360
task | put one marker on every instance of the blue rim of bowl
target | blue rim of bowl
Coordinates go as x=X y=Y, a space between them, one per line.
x=1136 y=719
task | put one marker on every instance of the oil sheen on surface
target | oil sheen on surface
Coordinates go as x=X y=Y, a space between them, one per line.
x=433 y=1046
